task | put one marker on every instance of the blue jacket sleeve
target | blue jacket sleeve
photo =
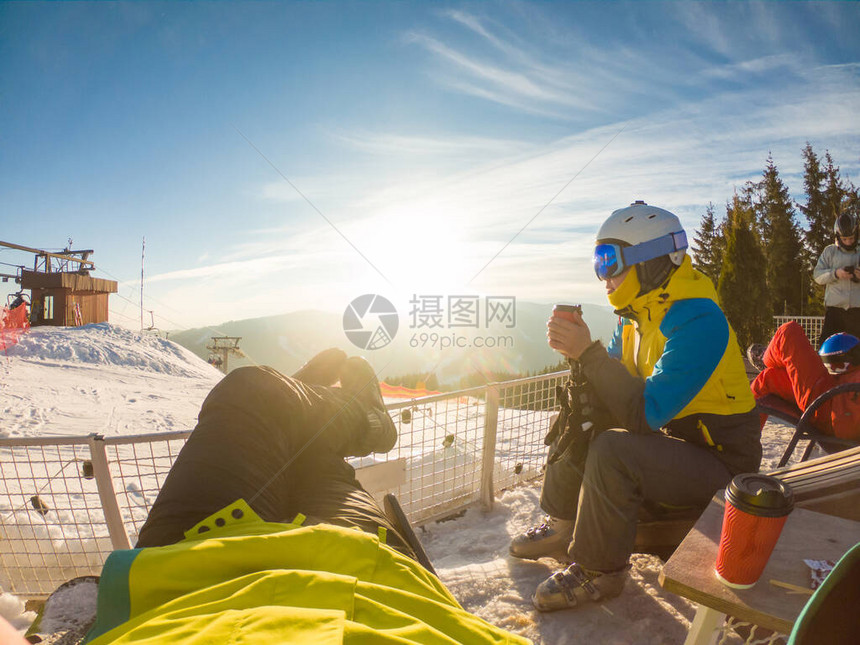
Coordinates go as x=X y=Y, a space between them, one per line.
x=697 y=335
x=614 y=349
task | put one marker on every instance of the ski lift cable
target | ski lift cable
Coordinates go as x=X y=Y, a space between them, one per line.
x=312 y=205
x=545 y=206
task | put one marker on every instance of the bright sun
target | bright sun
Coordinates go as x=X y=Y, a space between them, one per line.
x=419 y=250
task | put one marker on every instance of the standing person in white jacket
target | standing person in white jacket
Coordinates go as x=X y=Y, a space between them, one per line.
x=838 y=271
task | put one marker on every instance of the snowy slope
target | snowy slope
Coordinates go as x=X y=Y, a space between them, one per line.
x=99 y=378
x=105 y=379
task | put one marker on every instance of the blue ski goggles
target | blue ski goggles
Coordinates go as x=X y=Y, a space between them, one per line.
x=611 y=260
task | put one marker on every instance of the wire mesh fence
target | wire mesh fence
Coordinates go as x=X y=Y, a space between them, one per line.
x=53 y=526
x=67 y=502
x=139 y=466
x=812 y=325
x=441 y=439
x=526 y=408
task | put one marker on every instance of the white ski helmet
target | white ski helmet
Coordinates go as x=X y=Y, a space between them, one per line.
x=640 y=235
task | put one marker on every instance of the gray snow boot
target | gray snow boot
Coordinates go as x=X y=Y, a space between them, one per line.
x=755 y=355
x=549 y=539
x=576 y=586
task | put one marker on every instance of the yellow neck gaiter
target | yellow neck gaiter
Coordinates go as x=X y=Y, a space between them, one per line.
x=626 y=291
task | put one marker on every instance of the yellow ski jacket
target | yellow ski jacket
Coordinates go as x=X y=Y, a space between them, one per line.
x=684 y=371
x=237 y=579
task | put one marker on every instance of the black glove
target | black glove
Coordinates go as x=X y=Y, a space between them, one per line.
x=322 y=369
x=358 y=379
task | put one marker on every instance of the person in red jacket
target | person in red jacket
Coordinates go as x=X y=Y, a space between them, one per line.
x=792 y=370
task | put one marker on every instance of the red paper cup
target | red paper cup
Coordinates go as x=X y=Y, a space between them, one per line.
x=757 y=507
x=567 y=311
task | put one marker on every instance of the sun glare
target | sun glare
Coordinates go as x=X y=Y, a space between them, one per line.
x=419 y=249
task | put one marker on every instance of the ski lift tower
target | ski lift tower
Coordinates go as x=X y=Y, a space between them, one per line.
x=221 y=348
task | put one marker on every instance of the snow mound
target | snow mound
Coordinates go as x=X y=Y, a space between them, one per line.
x=105 y=344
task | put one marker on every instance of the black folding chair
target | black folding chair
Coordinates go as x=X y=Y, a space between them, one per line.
x=775 y=406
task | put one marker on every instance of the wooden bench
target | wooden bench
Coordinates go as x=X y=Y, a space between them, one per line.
x=829 y=484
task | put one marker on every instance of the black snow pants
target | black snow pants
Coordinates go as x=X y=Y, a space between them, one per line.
x=279 y=444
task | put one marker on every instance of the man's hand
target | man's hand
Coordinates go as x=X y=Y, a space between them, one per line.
x=322 y=369
x=568 y=336
x=842 y=274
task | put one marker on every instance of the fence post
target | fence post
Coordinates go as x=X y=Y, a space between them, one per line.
x=107 y=494
x=488 y=462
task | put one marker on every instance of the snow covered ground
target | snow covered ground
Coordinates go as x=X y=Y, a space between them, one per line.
x=105 y=379
x=99 y=378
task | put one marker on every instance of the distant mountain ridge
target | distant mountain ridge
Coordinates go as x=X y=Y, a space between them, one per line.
x=286 y=341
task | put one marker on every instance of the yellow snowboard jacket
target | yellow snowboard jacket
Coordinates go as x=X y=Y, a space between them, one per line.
x=237 y=579
x=683 y=371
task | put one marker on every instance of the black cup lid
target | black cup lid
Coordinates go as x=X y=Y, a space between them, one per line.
x=760 y=495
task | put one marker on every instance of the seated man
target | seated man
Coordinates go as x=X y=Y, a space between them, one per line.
x=673 y=392
x=261 y=532
x=791 y=369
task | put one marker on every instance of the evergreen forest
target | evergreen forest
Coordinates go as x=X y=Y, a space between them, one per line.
x=761 y=253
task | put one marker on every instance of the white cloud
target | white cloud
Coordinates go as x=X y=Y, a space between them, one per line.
x=681 y=158
x=760 y=65
x=495 y=81
x=705 y=26
x=221 y=271
x=386 y=143
x=430 y=210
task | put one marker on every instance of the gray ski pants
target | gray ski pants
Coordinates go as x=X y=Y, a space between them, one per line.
x=622 y=470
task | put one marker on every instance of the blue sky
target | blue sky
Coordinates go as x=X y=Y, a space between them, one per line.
x=288 y=156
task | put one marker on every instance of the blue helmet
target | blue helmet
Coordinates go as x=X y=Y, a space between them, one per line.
x=839 y=352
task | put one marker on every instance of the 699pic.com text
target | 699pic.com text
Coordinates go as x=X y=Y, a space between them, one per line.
x=454 y=340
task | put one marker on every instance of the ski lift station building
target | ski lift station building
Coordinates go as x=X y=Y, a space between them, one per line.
x=67 y=299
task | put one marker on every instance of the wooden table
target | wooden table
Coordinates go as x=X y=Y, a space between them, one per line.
x=806 y=535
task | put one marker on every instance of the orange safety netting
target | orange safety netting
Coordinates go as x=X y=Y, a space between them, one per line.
x=402 y=392
x=13 y=323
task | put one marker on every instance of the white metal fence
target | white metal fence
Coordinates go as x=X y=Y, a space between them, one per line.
x=67 y=502
x=812 y=325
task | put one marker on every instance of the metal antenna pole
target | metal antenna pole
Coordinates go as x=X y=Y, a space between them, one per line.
x=142 y=255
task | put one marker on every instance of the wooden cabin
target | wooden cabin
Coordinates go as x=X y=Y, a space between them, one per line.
x=67 y=299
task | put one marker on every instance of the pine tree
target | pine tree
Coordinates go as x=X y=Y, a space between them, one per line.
x=818 y=215
x=851 y=203
x=819 y=218
x=787 y=274
x=742 y=287
x=834 y=190
x=709 y=246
